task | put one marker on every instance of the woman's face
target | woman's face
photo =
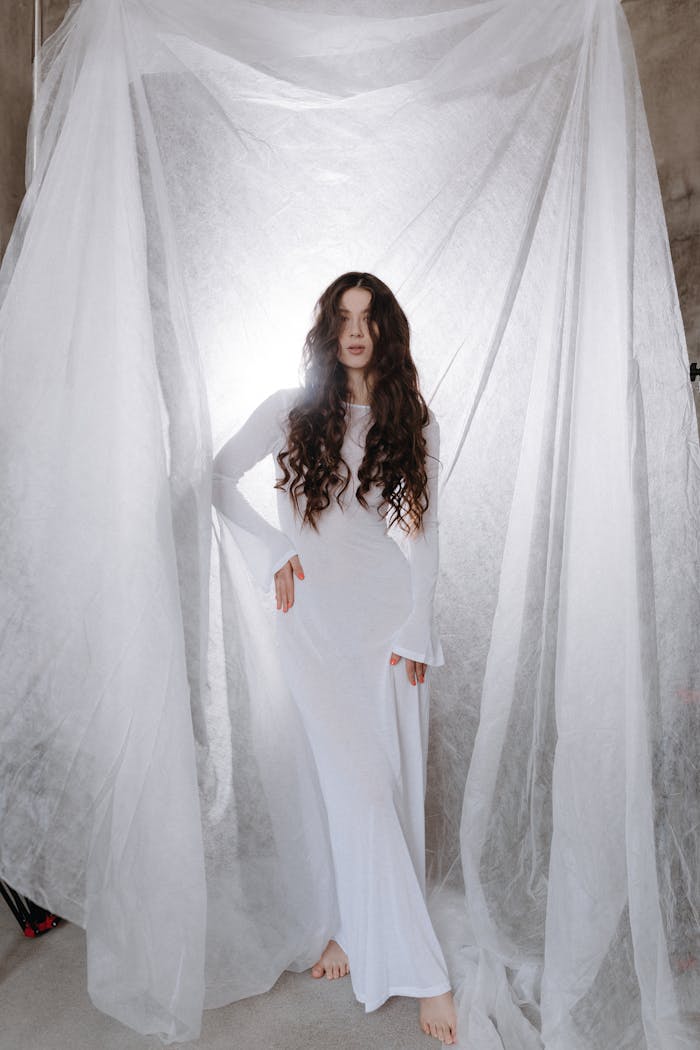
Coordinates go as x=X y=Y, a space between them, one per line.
x=357 y=333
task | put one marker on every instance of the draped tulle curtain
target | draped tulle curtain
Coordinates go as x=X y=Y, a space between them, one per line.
x=204 y=170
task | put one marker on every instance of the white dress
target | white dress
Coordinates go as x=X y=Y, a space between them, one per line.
x=362 y=598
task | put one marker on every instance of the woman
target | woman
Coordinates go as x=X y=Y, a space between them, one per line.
x=356 y=450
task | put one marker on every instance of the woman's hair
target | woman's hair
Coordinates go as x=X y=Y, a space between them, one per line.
x=395 y=447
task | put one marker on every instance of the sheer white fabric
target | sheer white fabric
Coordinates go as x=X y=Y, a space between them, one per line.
x=204 y=170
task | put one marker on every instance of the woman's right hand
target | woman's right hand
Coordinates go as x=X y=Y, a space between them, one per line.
x=284 y=582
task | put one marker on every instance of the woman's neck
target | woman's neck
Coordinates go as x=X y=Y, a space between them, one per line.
x=358 y=392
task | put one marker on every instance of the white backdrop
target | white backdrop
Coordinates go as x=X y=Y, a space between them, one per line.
x=204 y=171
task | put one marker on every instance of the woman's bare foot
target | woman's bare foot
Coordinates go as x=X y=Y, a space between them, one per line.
x=438 y=1018
x=333 y=963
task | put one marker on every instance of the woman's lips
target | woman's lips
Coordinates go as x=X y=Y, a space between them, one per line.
x=356 y=349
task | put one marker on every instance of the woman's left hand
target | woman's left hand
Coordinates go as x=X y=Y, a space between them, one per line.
x=414 y=669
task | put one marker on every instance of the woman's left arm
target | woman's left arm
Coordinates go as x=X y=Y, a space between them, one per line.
x=417 y=638
x=265 y=548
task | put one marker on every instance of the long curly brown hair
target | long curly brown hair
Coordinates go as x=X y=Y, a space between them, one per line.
x=395 y=446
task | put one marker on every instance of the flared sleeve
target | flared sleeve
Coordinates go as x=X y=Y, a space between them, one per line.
x=264 y=547
x=417 y=638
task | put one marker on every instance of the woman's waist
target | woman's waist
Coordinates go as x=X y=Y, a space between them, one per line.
x=354 y=524
x=341 y=548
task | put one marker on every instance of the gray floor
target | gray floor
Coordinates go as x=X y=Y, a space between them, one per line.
x=44 y=1005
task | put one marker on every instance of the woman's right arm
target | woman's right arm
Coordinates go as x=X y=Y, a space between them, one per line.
x=265 y=548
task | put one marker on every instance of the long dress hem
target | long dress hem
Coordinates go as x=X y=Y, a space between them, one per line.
x=411 y=993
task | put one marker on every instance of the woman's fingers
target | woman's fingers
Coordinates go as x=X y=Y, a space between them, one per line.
x=284 y=582
x=414 y=668
x=284 y=587
x=296 y=566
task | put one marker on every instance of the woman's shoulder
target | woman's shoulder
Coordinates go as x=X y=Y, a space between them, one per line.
x=432 y=420
x=286 y=396
x=278 y=406
x=280 y=401
x=431 y=432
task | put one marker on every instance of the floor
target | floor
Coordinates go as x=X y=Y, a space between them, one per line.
x=45 y=1006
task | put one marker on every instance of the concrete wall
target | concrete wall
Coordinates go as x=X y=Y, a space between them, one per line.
x=15 y=103
x=663 y=32
x=666 y=34
x=16 y=43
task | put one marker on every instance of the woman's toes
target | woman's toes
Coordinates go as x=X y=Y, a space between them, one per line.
x=333 y=963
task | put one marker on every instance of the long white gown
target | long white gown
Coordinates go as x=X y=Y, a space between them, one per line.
x=362 y=597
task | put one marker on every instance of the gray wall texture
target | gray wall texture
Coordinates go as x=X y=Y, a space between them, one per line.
x=665 y=34
x=16 y=49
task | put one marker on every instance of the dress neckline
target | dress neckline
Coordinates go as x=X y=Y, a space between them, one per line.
x=356 y=404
